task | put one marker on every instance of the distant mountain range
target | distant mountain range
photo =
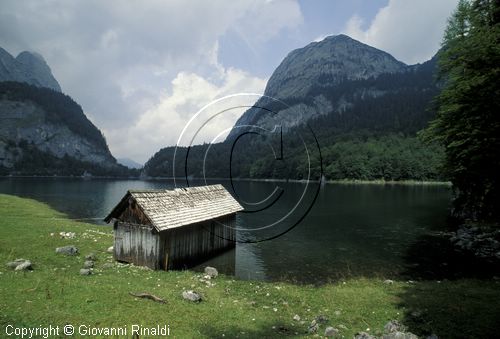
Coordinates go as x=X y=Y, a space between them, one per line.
x=43 y=131
x=129 y=163
x=363 y=105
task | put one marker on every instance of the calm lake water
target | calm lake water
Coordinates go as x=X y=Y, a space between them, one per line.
x=350 y=230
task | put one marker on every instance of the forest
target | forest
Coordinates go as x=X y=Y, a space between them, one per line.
x=60 y=108
x=373 y=138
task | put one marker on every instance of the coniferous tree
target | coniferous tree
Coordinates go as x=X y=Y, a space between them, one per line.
x=468 y=118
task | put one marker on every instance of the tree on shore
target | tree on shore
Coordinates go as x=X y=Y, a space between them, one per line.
x=468 y=108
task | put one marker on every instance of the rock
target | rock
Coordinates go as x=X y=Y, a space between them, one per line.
x=394 y=326
x=432 y=336
x=313 y=328
x=67 y=250
x=388 y=282
x=67 y=235
x=91 y=256
x=29 y=67
x=399 y=335
x=191 y=296
x=110 y=249
x=15 y=263
x=211 y=272
x=304 y=67
x=24 y=266
x=108 y=265
x=88 y=264
x=331 y=332
x=296 y=317
x=86 y=271
x=363 y=335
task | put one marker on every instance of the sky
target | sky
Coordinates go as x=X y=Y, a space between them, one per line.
x=142 y=69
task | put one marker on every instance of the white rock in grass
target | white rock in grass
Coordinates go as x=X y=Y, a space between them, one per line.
x=211 y=272
x=191 y=296
x=67 y=250
x=15 y=263
x=24 y=266
x=394 y=326
x=67 y=235
x=86 y=271
x=331 y=332
x=363 y=335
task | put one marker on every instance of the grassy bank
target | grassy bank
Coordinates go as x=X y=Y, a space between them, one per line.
x=55 y=294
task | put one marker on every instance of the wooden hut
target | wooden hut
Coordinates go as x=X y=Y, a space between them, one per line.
x=166 y=229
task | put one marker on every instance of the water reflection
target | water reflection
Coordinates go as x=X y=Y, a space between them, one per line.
x=352 y=230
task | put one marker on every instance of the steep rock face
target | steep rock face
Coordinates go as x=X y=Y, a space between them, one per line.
x=27 y=67
x=329 y=61
x=26 y=122
x=304 y=74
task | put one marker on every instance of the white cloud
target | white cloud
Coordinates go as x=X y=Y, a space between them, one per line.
x=410 y=30
x=123 y=61
x=162 y=124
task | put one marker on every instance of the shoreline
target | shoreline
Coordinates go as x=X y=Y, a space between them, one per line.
x=232 y=305
x=409 y=182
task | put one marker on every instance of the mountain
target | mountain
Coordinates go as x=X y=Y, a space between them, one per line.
x=27 y=67
x=129 y=163
x=44 y=132
x=364 y=107
x=307 y=72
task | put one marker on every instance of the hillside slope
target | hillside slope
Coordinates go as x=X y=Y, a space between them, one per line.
x=46 y=132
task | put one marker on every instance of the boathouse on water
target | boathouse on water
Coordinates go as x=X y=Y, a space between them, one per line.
x=167 y=229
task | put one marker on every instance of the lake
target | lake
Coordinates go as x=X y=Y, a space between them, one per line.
x=350 y=230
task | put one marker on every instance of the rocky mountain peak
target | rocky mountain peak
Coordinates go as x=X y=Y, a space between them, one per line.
x=330 y=60
x=308 y=76
x=28 y=67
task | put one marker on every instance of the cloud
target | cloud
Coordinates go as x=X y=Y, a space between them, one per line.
x=162 y=124
x=123 y=61
x=410 y=30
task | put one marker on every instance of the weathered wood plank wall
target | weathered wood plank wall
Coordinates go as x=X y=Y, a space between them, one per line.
x=137 y=244
x=179 y=247
x=183 y=246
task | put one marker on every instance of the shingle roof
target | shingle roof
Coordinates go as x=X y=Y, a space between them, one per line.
x=181 y=206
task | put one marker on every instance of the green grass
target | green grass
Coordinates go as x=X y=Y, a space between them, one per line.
x=55 y=294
